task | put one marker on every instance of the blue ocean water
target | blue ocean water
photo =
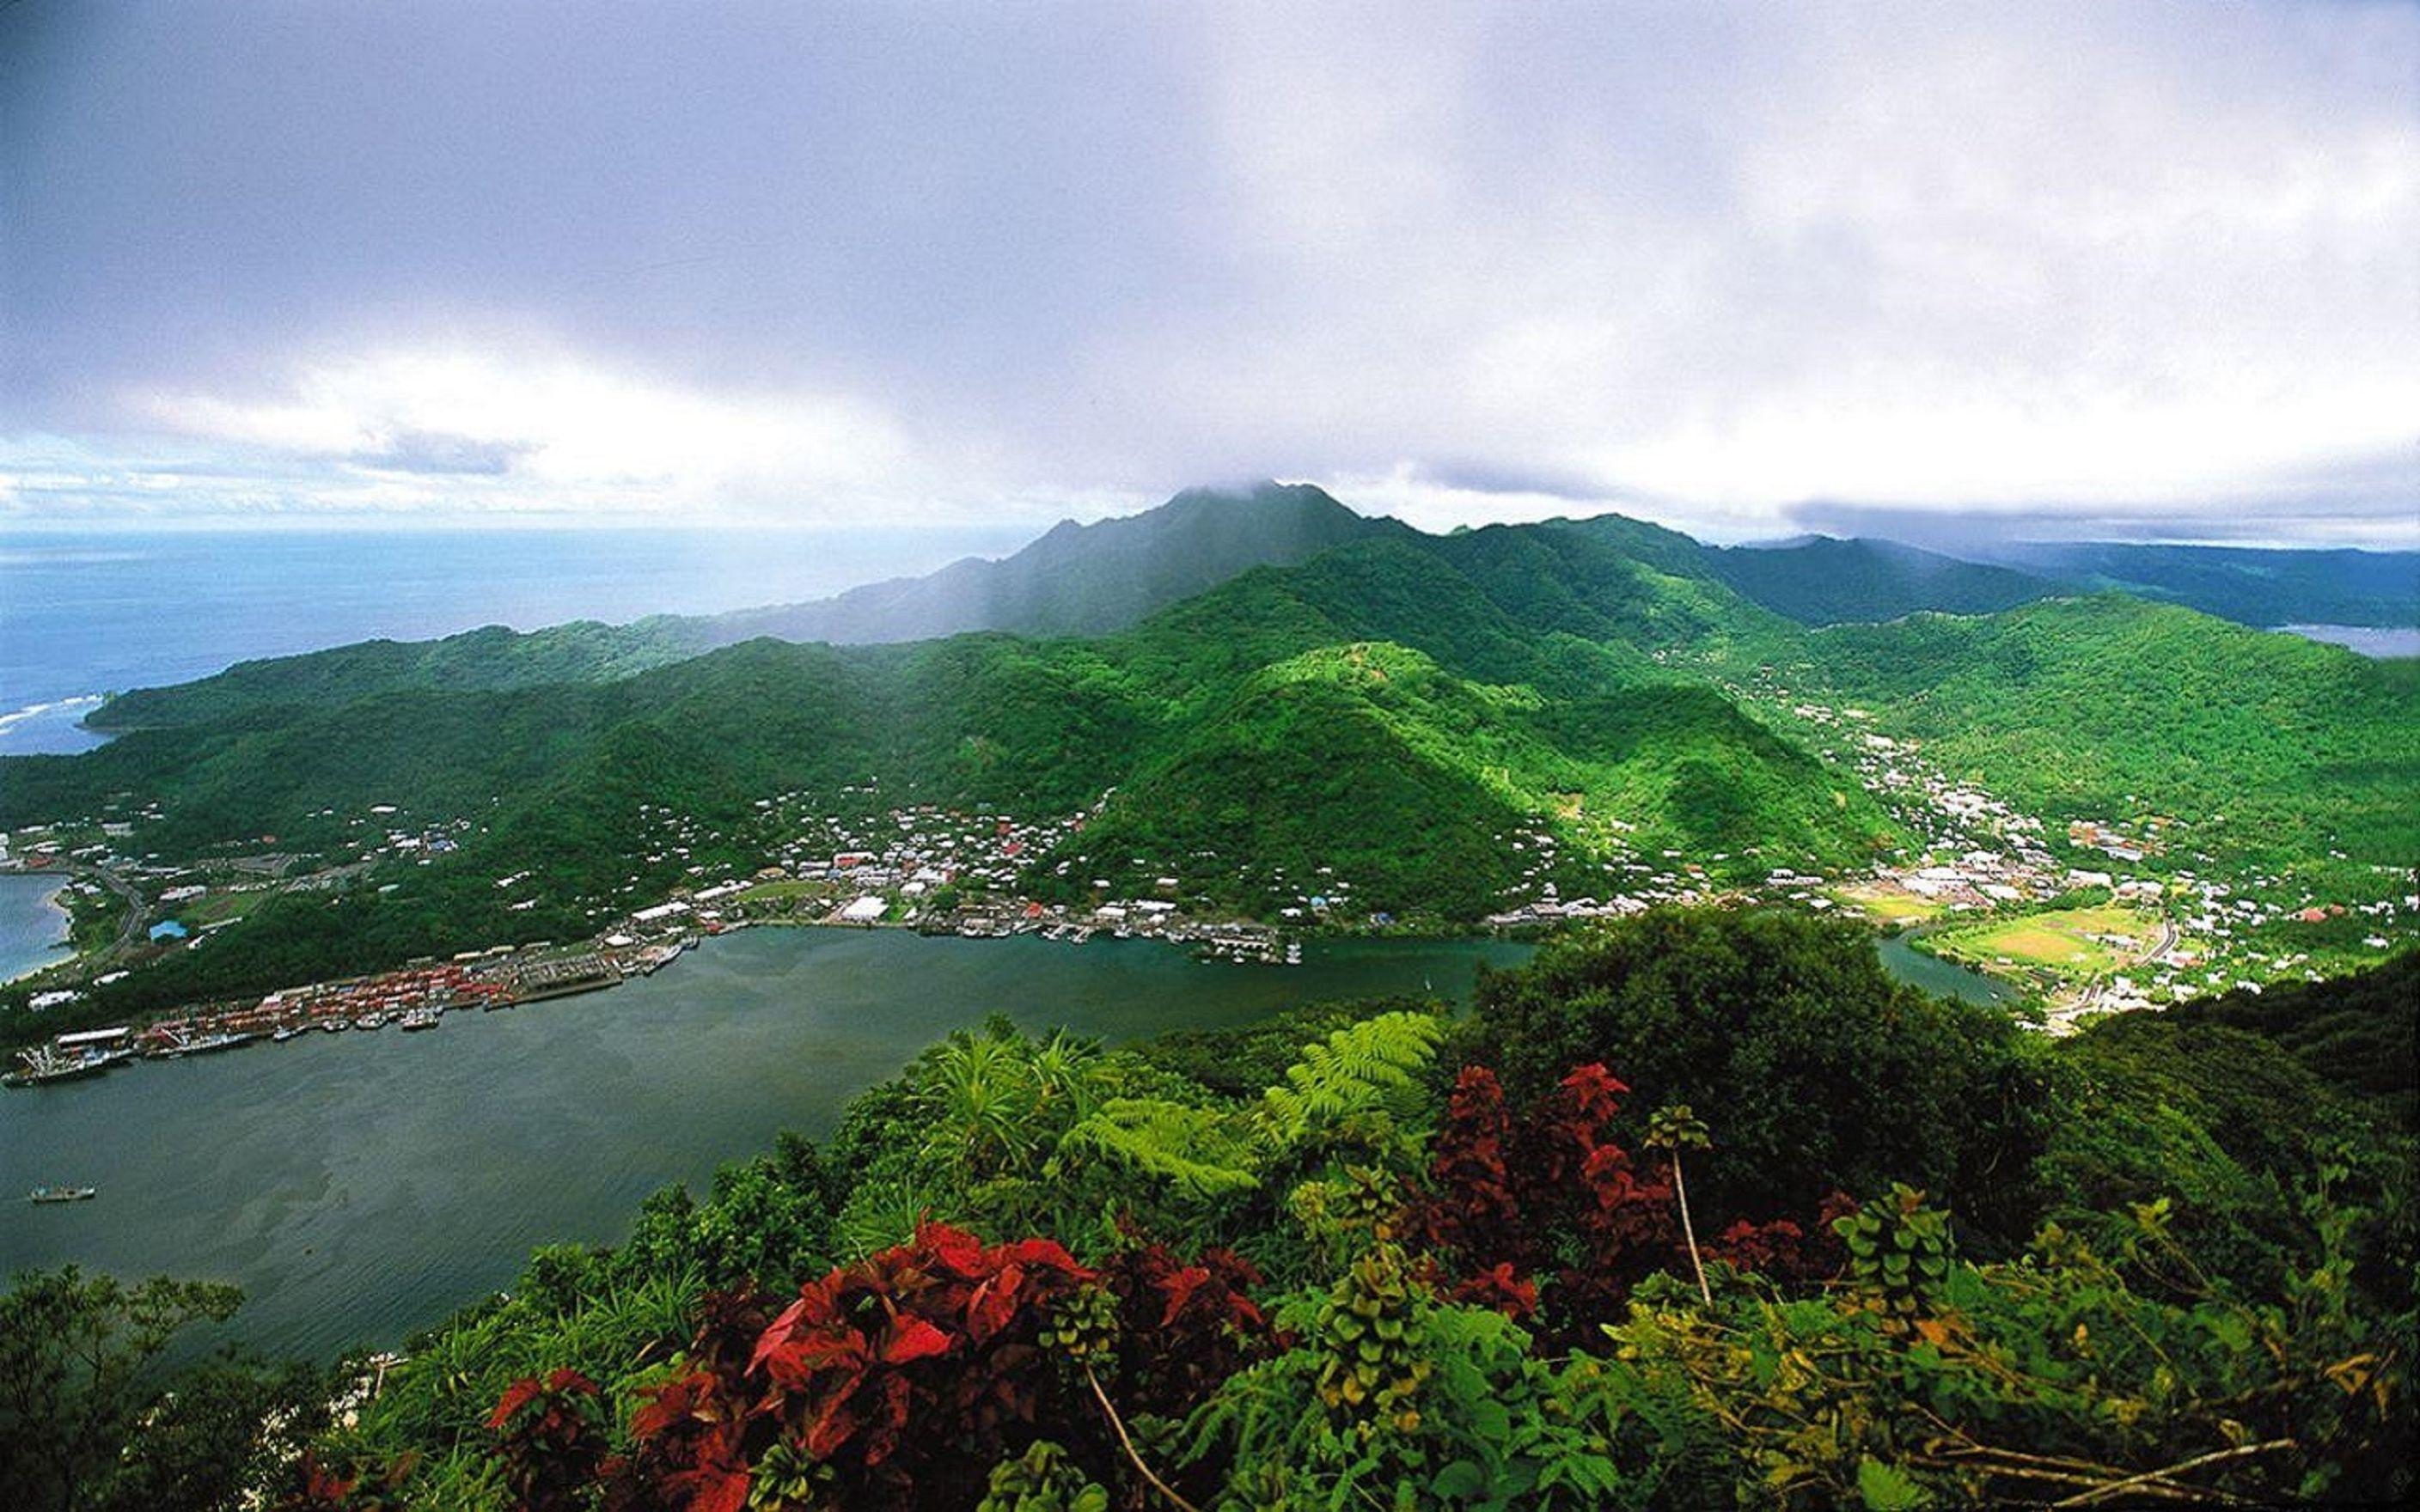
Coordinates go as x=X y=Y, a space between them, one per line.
x=85 y=614
x=33 y=929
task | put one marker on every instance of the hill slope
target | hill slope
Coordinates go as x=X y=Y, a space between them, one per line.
x=2261 y=744
x=2241 y=583
x=1084 y=579
x=1829 y=581
x=1076 y=579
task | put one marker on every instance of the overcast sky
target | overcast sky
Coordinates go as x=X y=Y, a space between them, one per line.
x=2131 y=268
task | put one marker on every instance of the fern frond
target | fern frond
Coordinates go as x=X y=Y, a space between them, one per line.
x=1201 y=1151
x=1371 y=1066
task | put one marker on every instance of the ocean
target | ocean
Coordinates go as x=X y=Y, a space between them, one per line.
x=85 y=614
x=33 y=929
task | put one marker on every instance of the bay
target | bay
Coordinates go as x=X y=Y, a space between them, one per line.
x=33 y=928
x=360 y=1186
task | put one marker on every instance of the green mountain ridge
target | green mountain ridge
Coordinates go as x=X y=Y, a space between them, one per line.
x=1396 y=709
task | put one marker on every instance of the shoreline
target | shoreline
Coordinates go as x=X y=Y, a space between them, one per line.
x=60 y=949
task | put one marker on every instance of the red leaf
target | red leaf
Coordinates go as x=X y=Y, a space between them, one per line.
x=832 y=1428
x=516 y=1396
x=778 y=1333
x=1179 y=1290
x=914 y=1340
x=994 y=1303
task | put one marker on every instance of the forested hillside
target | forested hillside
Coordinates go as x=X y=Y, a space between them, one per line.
x=1379 y=723
x=1828 y=582
x=2256 y=744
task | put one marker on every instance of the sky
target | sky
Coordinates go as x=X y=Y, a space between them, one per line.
x=2139 y=271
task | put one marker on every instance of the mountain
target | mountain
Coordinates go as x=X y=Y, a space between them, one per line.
x=2248 y=585
x=1082 y=580
x=1412 y=724
x=1076 y=580
x=1822 y=580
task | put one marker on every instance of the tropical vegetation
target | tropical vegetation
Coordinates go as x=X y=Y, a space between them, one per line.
x=1695 y=1210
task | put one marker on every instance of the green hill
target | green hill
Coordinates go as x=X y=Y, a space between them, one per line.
x=1076 y=580
x=1399 y=710
x=2264 y=745
x=1828 y=582
x=2248 y=585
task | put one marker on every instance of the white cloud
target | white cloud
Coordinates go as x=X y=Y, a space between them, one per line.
x=398 y=428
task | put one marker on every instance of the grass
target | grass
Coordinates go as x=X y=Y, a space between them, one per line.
x=1887 y=906
x=218 y=907
x=2065 y=942
x=764 y=890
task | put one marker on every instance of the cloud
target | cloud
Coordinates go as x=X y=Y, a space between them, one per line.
x=434 y=452
x=537 y=433
x=1715 y=263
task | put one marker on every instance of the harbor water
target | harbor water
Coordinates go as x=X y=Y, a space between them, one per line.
x=360 y=1186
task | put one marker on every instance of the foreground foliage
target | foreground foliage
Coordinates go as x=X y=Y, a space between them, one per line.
x=1037 y=1273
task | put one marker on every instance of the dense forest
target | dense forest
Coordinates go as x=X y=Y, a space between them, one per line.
x=1700 y=1209
x=1416 y=699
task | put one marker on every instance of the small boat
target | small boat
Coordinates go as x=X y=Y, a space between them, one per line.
x=62 y=1193
x=370 y=1021
x=284 y=1033
x=419 y=1018
x=338 y=1026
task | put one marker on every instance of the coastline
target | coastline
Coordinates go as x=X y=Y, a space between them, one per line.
x=55 y=950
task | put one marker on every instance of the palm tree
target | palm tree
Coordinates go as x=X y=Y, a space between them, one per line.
x=1673 y=1129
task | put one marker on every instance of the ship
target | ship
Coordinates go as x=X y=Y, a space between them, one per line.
x=44 y=1064
x=62 y=1193
x=178 y=1045
x=419 y=1018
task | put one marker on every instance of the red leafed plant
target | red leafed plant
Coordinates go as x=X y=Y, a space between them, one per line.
x=1785 y=1251
x=1541 y=1206
x=1182 y=1328
x=901 y=1380
x=1540 y=1210
x=551 y=1439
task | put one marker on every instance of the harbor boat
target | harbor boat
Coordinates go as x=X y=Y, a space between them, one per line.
x=284 y=1033
x=62 y=1193
x=43 y=1065
x=180 y=1045
x=370 y=1021
x=419 y=1018
x=338 y=1026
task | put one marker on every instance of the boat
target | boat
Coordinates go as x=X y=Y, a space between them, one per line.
x=284 y=1033
x=370 y=1021
x=180 y=1045
x=338 y=1026
x=62 y=1193
x=44 y=1064
x=419 y=1018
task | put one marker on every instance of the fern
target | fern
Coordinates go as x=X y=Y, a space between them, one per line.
x=1201 y=1151
x=1370 y=1067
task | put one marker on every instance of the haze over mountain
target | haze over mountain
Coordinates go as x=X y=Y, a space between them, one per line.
x=1082 y=580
